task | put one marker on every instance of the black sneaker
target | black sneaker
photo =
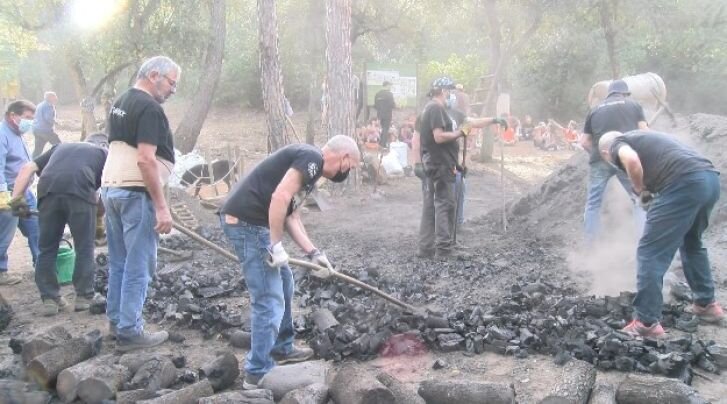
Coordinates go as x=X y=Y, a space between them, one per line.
x=296 y=355
x=143 y=340
x=250 y=382
x=112 y=330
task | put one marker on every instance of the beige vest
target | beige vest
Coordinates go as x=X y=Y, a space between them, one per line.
x=121 y=169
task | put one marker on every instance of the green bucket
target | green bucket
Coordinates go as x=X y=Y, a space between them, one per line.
x=65 y=262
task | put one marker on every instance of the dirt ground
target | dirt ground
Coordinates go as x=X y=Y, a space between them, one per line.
x=379 y=231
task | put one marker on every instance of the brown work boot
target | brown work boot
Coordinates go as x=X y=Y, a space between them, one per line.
x=711 y=313
x=82 y=303
x=296 y=355
x=51 y=307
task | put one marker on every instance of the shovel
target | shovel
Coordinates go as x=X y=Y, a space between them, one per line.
x=307 y=265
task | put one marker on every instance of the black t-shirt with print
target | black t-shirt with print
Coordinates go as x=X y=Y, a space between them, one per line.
x=249 y=200
x=435 y=155
x=663 y=158
x=71 y=169
x=615 y=113
x=136 y=118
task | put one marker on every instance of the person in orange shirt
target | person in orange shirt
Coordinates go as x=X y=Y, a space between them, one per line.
x=508 y=135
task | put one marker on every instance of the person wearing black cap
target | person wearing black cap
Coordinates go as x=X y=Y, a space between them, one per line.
x=439 y=152
x=69 y=179
x=618 y=112
x=384 y=104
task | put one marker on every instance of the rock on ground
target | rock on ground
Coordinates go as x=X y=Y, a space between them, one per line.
x=283 y=379
x=316 y=393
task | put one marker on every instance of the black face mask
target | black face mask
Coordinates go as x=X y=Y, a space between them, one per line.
x=340 y=176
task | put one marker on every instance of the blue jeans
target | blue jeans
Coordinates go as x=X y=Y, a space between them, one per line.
x=28 y=228
x=271 y=294
x=600 y=173
x=460 y=185
x=676 y=220
x=132 y=243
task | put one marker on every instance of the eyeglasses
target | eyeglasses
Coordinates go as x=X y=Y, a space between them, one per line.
x=172 y=83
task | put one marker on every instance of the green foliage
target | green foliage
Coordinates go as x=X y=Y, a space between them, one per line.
x=464 y=70
x=548 y=74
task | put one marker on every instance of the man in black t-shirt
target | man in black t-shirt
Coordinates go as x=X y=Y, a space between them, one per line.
x=384 y=104
x=141 y=157
x=254 y=217
x=439 y=153
x=620 y=113
x=679 y=187
x=70 y=176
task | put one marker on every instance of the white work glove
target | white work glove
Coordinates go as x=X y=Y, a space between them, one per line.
x=319 y=258
x=278 y=256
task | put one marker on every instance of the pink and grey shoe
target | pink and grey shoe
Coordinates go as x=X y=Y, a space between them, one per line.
x=711 y=313
x=638 y=329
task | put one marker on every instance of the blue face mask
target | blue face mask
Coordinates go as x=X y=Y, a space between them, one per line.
x=25 y=125
x=451 y=101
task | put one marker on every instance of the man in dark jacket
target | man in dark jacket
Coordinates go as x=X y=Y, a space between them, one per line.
x=384 y=104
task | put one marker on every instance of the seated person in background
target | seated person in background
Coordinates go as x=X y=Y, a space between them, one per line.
x=508 y=135
x=539 y=135
x=527 y=128
x=571 y=134
x=406 y=133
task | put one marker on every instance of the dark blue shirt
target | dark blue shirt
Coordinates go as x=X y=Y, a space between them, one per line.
x=45 y=116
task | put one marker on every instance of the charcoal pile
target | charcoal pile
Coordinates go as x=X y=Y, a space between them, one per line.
x=187 y=293
x=534 y=317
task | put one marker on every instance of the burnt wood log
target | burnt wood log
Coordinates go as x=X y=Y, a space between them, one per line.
x=603 y=393
x=402 y=393
x=354 y=386
x=465 y=392
x=132 y=396
x=259 y=396
x=324 y=319
x=221 y=372
x=44 y=342
x=637 y=389
x=93 y=380
x=188 y=395
x=134 y=360
x=16 y=392
x=44 y=369
x=155 y=374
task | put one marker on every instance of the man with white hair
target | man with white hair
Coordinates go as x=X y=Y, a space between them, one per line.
x=679 y=187
x=254 y=217
x=44 y=123
x=140 y=159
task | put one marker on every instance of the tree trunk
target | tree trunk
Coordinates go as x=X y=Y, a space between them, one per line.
x=607 y=10
x=83 y=93
x=93 y=380
x=271 y=75
x=188 y=131
x=44 y=369
x=339 y=91
x=488 y=106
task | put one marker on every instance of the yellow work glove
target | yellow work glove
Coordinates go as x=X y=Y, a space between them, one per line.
x=20 y=207
x=5 y=200
x=465 y=130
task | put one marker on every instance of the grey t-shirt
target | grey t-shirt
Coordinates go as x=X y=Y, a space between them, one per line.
x=615 y=113
x=663 y=158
